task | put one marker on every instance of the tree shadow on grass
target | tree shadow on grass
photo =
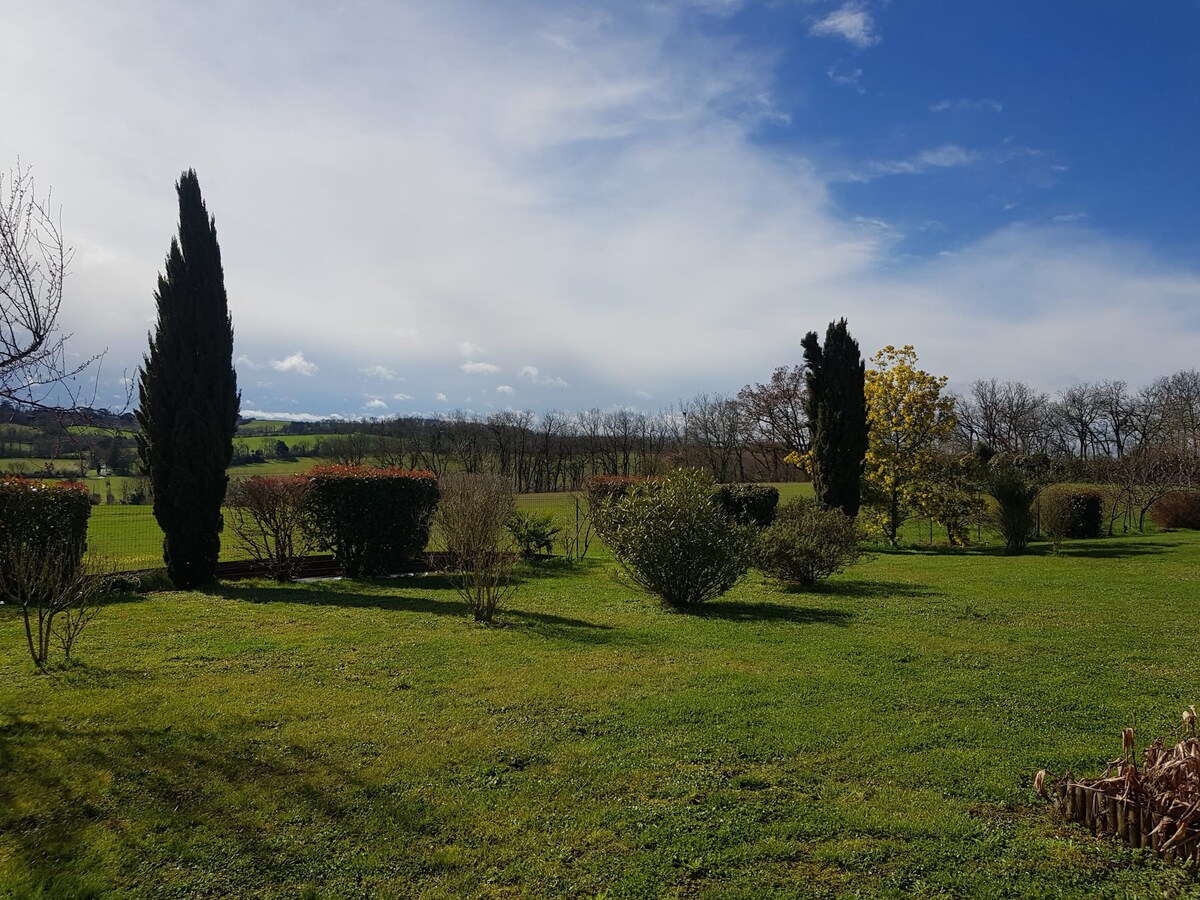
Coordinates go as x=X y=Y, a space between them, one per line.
x=334 y=593
x=738 y=611
x=135 y=802
x=860 y=588
x=1113 y=548
x=1092 y=548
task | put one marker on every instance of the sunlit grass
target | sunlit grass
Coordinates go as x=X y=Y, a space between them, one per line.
x=876 y=736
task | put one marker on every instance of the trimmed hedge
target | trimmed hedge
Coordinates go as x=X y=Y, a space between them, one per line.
x=1178 y=509
x=749 y=504
x=41 y=517
x=376 y=521
x=1072 y=512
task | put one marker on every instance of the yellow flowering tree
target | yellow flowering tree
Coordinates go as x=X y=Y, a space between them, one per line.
x=908 y=417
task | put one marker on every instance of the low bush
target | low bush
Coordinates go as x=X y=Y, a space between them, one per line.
x=268 y=517
x=473 y=521
x=807 y=542
x=533 y=532
x=376 y=521
x=674 y=541
x=1178 y=509
x=749 y=504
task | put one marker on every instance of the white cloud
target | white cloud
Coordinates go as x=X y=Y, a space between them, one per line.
x=851 y=22
x=505 y=389
x=531 y=373
x=846 y=79
x=1072 y=217
x=295 y=363
x=553 y=193
x=246 y=362
x=375 y=403
x=403 y=397
x=291 y=416
x=381 y=372
x=466 y=348
x=985 y=104
x=440 y=397
x=947 y=156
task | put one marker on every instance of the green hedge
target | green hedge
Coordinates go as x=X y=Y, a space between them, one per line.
x=41 y=517
x=376 y=521
x=1071 y=511
x=749 y=504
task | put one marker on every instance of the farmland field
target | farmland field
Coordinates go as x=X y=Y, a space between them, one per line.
x=874 y=737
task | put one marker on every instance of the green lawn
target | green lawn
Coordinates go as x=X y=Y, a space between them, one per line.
x=876 y=737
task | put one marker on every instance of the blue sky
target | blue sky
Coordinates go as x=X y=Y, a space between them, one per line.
x=477 y=205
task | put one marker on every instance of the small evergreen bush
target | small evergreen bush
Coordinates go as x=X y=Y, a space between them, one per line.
x=807 y=542
x=376 y=521
x=674 y=541
x=533 y=532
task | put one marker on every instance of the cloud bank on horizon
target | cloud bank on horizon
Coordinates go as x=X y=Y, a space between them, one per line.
x=565 y=205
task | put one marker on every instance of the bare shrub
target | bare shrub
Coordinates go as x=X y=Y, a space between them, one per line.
x=267 y=517
x=576 y=535
x=472 y=521
x=58 y=595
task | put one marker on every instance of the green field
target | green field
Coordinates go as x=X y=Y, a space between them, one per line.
x=875 y=737
x=262 y=426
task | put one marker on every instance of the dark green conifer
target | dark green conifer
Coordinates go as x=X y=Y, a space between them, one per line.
x=837 y=416
x=188 y=396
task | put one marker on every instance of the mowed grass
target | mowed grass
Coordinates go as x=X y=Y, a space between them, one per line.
x=875 y=737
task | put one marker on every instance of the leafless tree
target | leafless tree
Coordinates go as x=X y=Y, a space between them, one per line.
x=715 y=429
x=1078 y=412
x=34 y=371
x=774 y=417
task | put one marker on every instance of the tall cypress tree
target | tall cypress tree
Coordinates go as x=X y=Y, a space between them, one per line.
x=188 y=395
x=837 y=416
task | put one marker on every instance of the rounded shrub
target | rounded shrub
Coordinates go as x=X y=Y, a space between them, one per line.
x=807 y=542
x=674 y=540
x=376 y=521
